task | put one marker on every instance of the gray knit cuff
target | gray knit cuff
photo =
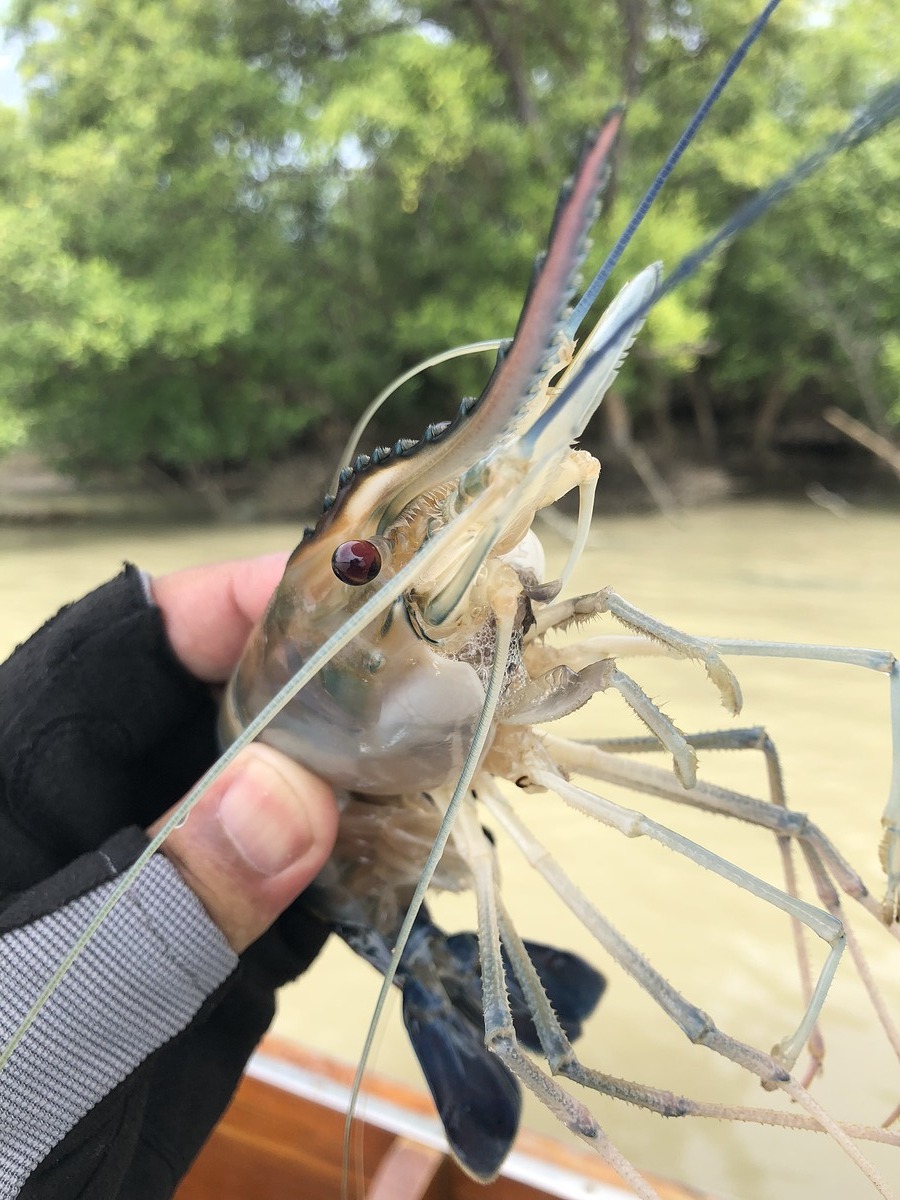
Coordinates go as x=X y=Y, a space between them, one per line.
x=138 y=983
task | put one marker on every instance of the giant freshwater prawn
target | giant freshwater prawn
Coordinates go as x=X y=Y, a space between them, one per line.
x=407 y=657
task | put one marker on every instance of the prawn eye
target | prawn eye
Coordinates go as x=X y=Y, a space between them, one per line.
x=356 y=562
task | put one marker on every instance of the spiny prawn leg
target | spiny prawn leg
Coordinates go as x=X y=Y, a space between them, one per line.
x=751 y=737
x=589 y=758
x=601 y=759
x=561 y=615
x=563 y=1060
x=875 y=660
x=499 y=1035
x=696 y=1024
x=634 y=824
x=609 y=645
x=681 y=644
x=755 y=738
x=559 y=691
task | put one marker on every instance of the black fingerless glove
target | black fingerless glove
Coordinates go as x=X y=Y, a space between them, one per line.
x=100 y=728
x=101 y=731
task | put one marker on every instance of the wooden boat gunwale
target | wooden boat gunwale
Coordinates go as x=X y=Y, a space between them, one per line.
x=282 y=1137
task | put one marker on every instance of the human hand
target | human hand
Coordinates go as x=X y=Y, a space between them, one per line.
x=266 y=826
x=107 y=717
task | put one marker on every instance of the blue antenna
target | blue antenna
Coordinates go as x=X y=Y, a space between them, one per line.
x=593 y=291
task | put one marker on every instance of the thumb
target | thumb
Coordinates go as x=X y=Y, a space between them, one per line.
x=254 y=842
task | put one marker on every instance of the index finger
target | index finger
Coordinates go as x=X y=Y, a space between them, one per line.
x=210 y=610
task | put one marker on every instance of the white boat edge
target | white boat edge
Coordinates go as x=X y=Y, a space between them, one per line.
x=519 y=1166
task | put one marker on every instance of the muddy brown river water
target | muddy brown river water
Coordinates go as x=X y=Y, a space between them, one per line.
x=757 y=570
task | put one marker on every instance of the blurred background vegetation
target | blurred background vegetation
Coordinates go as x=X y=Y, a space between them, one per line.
x=224 y=226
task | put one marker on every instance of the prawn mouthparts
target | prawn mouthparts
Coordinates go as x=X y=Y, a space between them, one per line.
x=404 y=657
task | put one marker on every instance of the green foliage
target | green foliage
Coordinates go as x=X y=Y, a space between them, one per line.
x=221 y=222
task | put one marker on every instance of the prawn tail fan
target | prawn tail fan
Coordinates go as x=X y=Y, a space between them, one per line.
x=477 y=1098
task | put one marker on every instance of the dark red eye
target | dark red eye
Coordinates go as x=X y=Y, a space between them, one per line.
x=356 y=562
